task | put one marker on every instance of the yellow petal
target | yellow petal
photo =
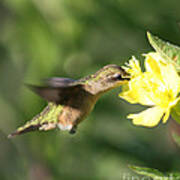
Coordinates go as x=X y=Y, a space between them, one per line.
x=133 y=67
x=163 y=71
x=139 y=90
x=152 y=65
x=149 y=117
x=166 y=116
x=170 y=77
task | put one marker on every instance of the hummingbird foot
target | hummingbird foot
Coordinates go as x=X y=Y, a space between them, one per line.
x=73 y=129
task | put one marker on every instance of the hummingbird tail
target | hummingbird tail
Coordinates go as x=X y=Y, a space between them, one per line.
x=19 y=132
x=46 y=120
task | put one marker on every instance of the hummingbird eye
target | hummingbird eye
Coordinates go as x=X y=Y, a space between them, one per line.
x=117 y=77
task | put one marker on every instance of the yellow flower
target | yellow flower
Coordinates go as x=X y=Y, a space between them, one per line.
x=157 y=87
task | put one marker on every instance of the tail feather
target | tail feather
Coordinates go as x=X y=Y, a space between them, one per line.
x=19 y=132
x=46 y=120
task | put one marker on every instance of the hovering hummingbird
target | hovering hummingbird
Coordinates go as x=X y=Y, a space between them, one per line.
x=70 y=101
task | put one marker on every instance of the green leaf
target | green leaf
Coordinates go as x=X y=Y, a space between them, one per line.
x=155 y=174
x=169 y=52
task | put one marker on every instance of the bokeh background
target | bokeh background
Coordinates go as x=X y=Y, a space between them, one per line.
x=46 y=38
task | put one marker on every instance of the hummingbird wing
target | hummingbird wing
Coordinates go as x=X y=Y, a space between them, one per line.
x=60 y=82
x=57 y=90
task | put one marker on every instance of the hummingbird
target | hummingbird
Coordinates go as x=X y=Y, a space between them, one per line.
x=70 y=101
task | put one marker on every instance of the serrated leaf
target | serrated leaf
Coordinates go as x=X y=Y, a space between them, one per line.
x=155 y=174
x=169 y=52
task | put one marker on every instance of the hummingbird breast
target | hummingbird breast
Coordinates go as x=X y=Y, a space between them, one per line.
x=76 y=108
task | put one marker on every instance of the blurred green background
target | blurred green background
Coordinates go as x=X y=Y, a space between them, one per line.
x=46 y=38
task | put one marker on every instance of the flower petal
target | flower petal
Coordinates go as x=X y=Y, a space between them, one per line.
x=149 y=117
x=152 y=65
x=166 y=116
x=133 y=67
x=163 y=71
x=170 y=77
x=138 y=91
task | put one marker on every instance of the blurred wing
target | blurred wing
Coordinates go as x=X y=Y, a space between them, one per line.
x=60 y=82
x=57 y=90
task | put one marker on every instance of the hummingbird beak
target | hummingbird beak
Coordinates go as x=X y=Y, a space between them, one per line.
x=125 y=75
x=123 y=81
x=127 y=78
x=122 y=76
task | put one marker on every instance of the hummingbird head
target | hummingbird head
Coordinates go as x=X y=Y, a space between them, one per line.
x=109 y=77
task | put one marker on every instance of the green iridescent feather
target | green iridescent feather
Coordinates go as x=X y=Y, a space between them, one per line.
x=48 y=116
